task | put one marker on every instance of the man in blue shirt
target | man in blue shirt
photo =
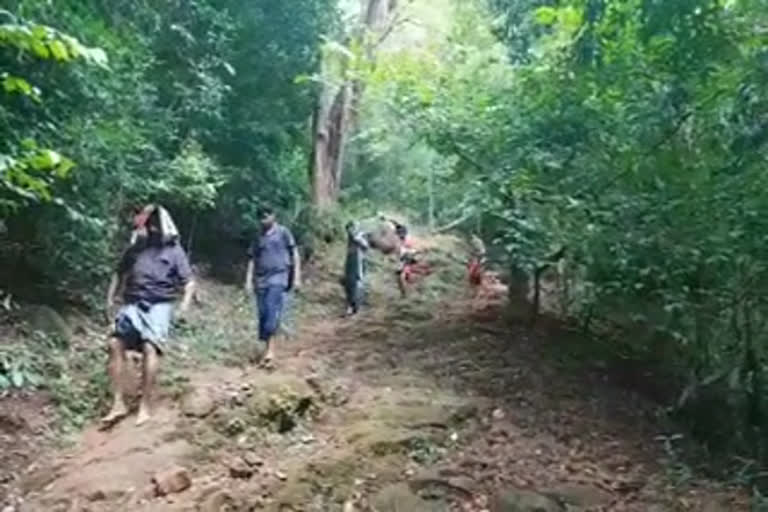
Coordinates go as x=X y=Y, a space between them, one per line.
x=273 y=270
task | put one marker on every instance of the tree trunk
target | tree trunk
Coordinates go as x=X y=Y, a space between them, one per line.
x=335 y=115
x=329 y=128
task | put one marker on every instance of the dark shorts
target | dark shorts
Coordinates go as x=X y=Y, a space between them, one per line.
x=142 y=322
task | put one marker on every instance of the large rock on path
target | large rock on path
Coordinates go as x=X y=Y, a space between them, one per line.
x=525 y=501
x=400 y=498
x=280 y=400
x=198 y=403
x=580 y=495
x=173 y=480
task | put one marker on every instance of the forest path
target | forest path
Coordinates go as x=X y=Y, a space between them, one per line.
x=417 y=405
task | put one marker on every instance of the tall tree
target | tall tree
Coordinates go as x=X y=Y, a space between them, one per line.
x=332 y=119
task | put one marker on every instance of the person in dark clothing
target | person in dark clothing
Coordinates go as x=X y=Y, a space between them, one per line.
x=273 y=269
x=151 y=276
x=355 y=267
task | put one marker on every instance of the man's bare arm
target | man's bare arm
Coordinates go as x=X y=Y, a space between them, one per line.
x=249 y=277
x=115 y=287
x=296 y=268
x=186 y=300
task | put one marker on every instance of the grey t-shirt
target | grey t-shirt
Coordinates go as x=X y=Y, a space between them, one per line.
x=272 y=254
x=154 y=274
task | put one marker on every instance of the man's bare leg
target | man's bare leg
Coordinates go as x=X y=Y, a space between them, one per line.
x=402 y=283
x=151 y=364
x=115 y=370
x=269 y=353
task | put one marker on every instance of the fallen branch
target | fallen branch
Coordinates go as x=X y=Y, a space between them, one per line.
x=453 y=224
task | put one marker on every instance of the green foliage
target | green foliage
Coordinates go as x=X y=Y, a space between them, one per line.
x=27 y=171
x=75 y=380
x=633 y=134
x=198 y=109
x=18 y=369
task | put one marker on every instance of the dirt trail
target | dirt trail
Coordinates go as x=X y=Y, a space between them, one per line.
x=410 y=407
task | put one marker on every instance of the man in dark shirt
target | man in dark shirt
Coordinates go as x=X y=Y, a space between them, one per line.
x=273 y=270
x=355 y=267
x=151 y=275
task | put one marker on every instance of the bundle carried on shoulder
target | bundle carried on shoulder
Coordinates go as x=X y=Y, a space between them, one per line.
x=381 y=235
x=385 y=240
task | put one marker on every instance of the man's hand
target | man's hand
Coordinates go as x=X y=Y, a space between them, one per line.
x=183 y=310
x=186 y=300
x=115 y=285
x=109 y=310
x=181 y=317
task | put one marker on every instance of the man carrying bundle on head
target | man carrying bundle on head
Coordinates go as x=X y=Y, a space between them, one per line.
x=152 y=274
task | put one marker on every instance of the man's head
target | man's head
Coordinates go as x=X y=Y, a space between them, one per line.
x=267 y=217
x=351 y=227
x=402 y=231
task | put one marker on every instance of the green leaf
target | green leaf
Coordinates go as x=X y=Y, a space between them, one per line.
x=571 y=18
x=303 y=78
x=45 y=160
x=41 y=50
x=15 y=84
x=59 y=50
x=546 y=15
x=39 y=31
x=64 y=167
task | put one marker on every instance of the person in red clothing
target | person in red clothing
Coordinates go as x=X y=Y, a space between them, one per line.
x=476 y=265
x=406 y=257
x=408 y=266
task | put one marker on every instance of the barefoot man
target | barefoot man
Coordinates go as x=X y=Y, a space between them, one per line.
x=152 y=274
x=274 y=268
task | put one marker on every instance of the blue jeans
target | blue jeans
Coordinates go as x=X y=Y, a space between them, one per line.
x=269 y=302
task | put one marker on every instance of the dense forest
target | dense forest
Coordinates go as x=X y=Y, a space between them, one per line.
x=622 y=141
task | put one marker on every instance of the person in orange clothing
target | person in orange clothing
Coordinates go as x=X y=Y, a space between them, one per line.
x=476 y=265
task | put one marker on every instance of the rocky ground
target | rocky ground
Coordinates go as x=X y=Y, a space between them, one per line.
x=431 y=404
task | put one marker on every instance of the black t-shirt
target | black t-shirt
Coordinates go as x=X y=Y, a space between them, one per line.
x=154 y=274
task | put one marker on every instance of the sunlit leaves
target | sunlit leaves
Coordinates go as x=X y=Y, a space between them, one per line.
x=27 y=175
x=14 y=84
x=632 y=132
x=48 y=43
x=193 y=178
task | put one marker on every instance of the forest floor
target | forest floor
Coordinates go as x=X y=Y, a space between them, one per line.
x=428 y=404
